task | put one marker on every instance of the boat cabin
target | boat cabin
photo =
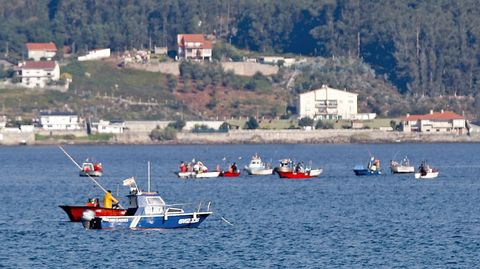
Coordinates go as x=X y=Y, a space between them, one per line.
x=149 y=203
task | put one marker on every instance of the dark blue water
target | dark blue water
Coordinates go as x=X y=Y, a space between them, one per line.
x=337 y=220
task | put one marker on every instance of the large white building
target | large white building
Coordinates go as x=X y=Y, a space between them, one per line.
x=327 y=103
x=60 y=121
x=38 y=74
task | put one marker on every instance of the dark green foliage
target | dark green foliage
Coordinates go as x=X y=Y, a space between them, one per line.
x=305 y=121
x=225 y=127
x=165 y=134
x=323 y=124
x=251 y=123
x=177 y=124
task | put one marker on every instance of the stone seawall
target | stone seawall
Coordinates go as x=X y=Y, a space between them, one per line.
x=296 y=136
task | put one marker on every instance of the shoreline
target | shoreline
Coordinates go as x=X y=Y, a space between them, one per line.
x=259 y=137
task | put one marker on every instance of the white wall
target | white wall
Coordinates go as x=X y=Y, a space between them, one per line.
x=95 y=55
x=36 y=55
x=60 y=122
x=346 y=103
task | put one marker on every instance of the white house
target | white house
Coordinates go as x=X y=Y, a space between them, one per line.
x=327 y=103
x=435 y=122
x=60 y=121
x=96 y=54
x=38 y=74
x=37 y=51
x=194 y=46
x=107 y=127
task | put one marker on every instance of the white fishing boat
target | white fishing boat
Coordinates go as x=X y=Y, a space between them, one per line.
x=403 y=167
x=426 y=172
x=258 y=168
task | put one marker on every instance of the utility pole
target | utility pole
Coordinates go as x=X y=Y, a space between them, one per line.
x=6 y=50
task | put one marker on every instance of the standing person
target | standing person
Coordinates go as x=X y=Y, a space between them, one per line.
x=182 y=167
x=109 y=200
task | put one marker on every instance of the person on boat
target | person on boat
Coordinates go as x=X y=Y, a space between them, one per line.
x=196 y=167
x=298 y=167
x=109 y=200
x=423 y=169
x=234 y=167
x=183 y=168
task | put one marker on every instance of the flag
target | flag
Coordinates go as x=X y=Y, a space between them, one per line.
x=129 y=182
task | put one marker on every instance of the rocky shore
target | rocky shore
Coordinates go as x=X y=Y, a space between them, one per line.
x=261 y=137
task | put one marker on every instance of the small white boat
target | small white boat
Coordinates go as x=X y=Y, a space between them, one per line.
x=426 y=172
x=258 y=168
x=403 y=167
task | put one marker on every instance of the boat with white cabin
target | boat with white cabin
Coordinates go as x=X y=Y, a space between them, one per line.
x=257 y=167
x=403 y=167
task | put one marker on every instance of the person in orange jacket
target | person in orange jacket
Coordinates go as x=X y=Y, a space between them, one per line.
x=109 y=200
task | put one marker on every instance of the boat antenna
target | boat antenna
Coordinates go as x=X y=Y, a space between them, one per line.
x=148 y=175
x=79 y=167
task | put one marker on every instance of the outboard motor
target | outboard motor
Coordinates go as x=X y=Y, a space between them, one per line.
x=90 y=221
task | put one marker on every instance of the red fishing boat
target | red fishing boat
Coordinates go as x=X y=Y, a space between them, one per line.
x=75 y=212
x=229 y=174
x=300 y=174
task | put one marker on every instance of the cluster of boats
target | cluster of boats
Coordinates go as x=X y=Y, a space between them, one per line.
x=256 y=167
x=424 y=171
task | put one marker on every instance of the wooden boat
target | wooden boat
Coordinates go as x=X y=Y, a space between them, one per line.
x=91 y=169
x=300 y=174
x=403 y=167
x=257 y=167
x=147 y=210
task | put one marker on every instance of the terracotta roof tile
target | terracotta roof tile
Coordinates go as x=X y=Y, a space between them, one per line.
x=38 y=65
x=42 y=46
x=446 y=115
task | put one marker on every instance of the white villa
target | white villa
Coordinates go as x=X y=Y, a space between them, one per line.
x=37 y=51
x=60 y=121
x=328 y=103
x=435 y=122
x=38 y=74
x=194 y=46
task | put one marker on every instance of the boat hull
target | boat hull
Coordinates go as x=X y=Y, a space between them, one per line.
x=230 y=174
x=197 y=175
x=402 y=169
x=75 y=212
x=366 y=172
x=174 y=221
x=91 y=173
x=259 y=171
x=299 y=175
x=426 y=176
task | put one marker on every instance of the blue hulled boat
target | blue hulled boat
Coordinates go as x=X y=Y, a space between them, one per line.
x=359 y=170
x=147 y=210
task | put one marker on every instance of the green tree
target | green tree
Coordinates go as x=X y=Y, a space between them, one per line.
x=251 y=123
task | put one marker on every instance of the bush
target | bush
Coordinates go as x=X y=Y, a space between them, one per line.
x=166 y=134
x=324 y=125
x=177 y=124
x=305 y=121
x=251 y=123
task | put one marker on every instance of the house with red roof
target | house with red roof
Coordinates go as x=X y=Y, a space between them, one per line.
x=37 y=74
x=37 y=51
x=194 y=46
x=435 y=122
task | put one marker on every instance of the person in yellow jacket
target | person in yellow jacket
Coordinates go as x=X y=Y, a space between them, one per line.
x=109 y=200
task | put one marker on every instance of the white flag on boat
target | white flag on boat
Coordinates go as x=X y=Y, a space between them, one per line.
x=130 y=182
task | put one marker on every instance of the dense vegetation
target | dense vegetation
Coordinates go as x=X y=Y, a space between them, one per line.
x=424 y=48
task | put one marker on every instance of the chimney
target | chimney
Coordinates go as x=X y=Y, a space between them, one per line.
x=431 y=111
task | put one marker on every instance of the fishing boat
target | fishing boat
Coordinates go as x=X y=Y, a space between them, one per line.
x=372 y=169
x=403 y=167
x=232 y=171
x=75 y=212
x=147 y=210
x=91 y=169
x=426 y=172
x=198 y=170
x=300 y=174
x=257 y=167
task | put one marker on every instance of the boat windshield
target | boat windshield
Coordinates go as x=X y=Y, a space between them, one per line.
x=155 y=201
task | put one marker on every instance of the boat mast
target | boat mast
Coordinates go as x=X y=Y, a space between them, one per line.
x=148 y=176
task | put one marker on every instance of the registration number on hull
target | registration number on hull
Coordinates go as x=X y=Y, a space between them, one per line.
x=188 y=221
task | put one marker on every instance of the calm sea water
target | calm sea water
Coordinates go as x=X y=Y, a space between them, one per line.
x=336 y=221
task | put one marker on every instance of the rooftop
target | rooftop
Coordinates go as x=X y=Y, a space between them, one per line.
x=41 y=46
x=442 y=115
x=38 y=65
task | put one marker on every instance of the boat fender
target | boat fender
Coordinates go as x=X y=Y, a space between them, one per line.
x=165 y=217
x=88 y=215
